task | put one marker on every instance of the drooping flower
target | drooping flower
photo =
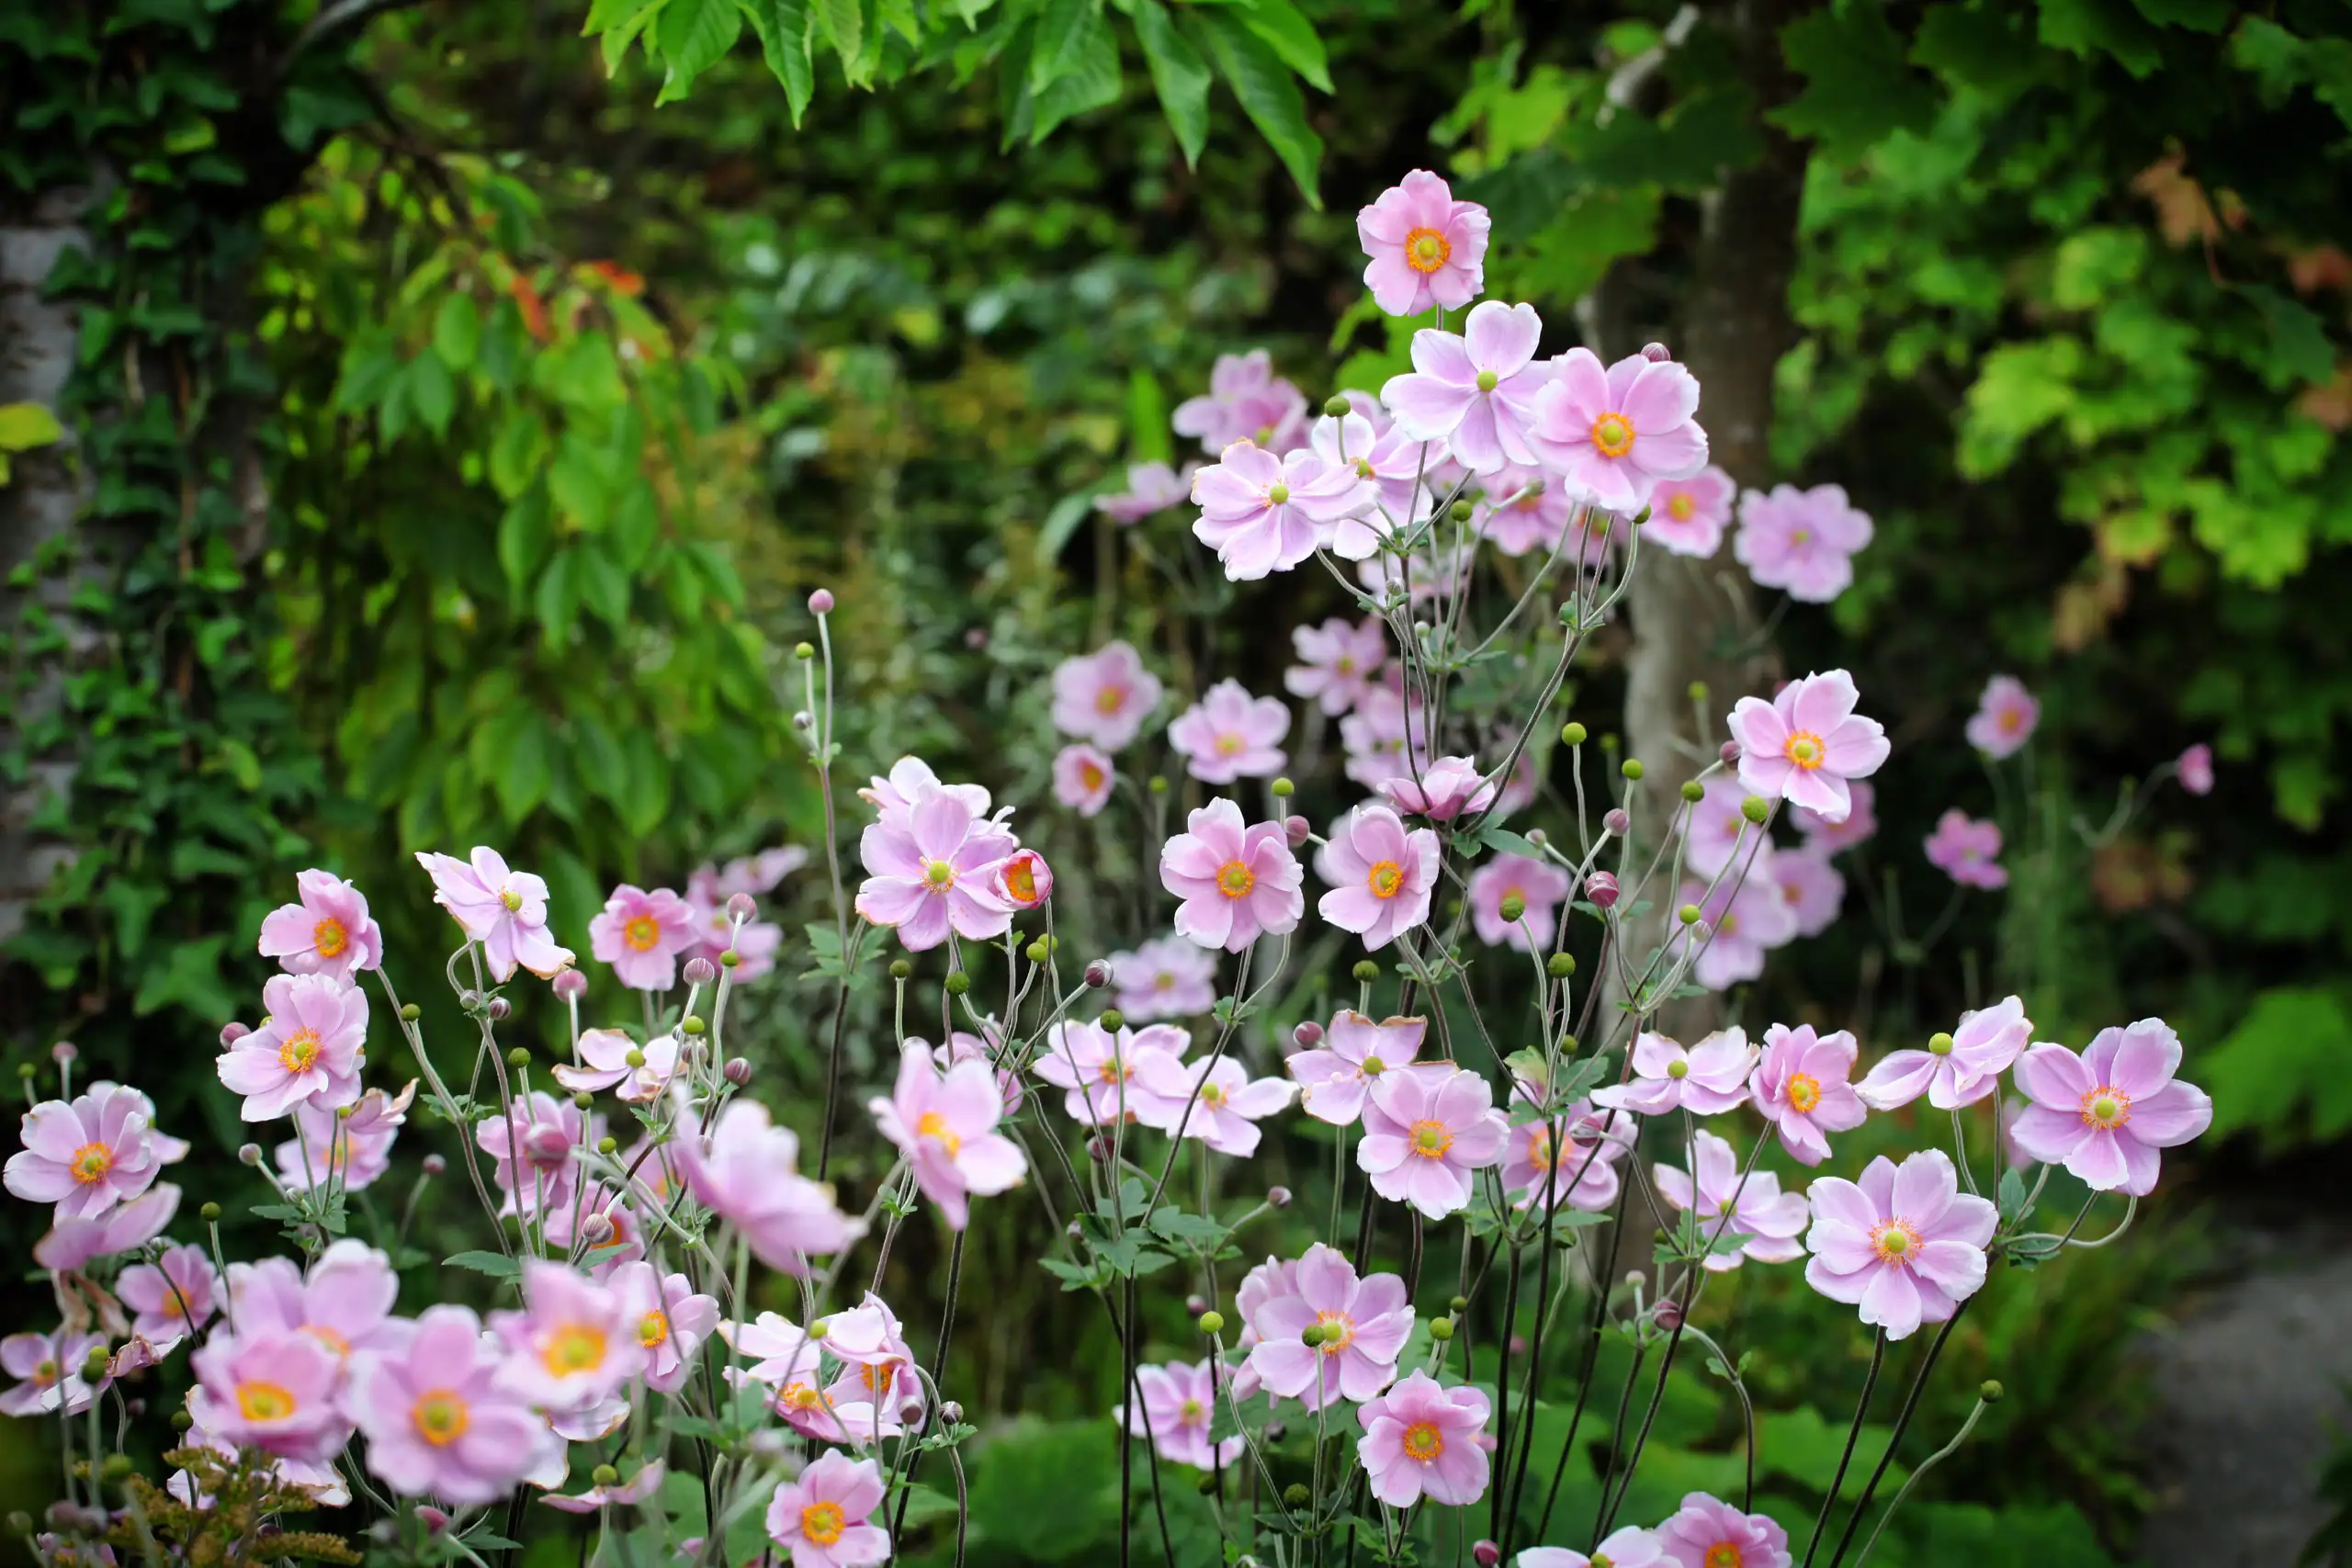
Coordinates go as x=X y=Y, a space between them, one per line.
x=535 y=1150
x=1151 y=487
x=1362 y=1325
x=946 y=1126
x=1715 y=830
x=1955 y=1070
x=174 y=1296
x=72 y=1243
x=1246 y=402
x=505 y=910
x=874 y=1395
x=2106 y=1113
x=1809 y=886
x=1613 y=434
x=270 y=1389
x=1538 y=885
x=745 y=1170
x=1082 y=778
x=1100 y=1069
x=305 y=1051
x=1336 y=661
x=1806 y=743
x=1382 y=876
x=1688 y=516
x=1803 y=1086
x=1335 y=1076
x=1264 y=514
x=1178 y=1404
x=1103 y=697
x=1216 y=1100
x=1708 y=1534
x=1428 y=250
x=1166 y=977
x=1420 y=1439
x=640 y=934
x=645 y=1483
x=49 y=1370
x=1967 y=850
x=1708 y=1079
x=1022 y=879
x=1571 y=1156
x=1827 y=837
x=88 y=1154
x=1476 y=392
x=753 y=874
x=1231 y=735
x=1743 y=920
x=1904 y=1243
x=437 y=1422
x=605 y=1053
x=572 y=1343
x=2195 y=768
x=353 y=1150
x=933 y=875
x=821 y=1517
x=325 y=931
x=1425 y=1135
x=344 y=1303
x=2005 y=717
x=1237 y=882
x=670 y=1317
x=1393 y=468
x=1442 y=791
x=1802 y=542
x=1733 y=1203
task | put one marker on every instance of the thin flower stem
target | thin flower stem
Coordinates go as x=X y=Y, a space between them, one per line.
x=1925 y=1465
x=1853 y=1436
x=1902 y=1425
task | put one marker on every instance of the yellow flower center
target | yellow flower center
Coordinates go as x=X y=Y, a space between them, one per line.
x=2106 y=1107
x=1110 y=700
x=1113 y=1069
x=823 y=1523
x=1385 y=879
x=1804 y=1091
x=45 y=1375
x=440 y=1417
x=90 y=1162
x=299 y=1052
x=939 y=874
x=1724 y=1554
x=1896 y=1241
x=1374 y=1066
x=573 y=1348
x=1423 y=1441
x=1599 y=1560
x=264 y=1401
x=1428 y=1139
x=1163 y=981
x=653 y=1328
x=1612 y=435
x=1338 y=1332
x=329 y=938
x=877 y=1378
x=1020 y=880
x=1091 y=776
x=1212 y=1095
x=1539 y=1146
x=1681 y=508
x=1806 y=750
x=329 y=1337
x=798 y=1396
x=642 y=932
x=1235 y=880
x=932 y=1125
x=1191 y=1412
x=1727 y=925
x=1278 y=495
x=2010 y=721
x=1426 y=250
x=1488 y=381
x=512 y=899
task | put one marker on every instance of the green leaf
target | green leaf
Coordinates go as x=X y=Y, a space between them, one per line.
x=2280 y=1072
x=432 y=391
x=1231 y=1419
x=24 y=426
x=1181 y=78
x=516 y=452
x=1062 y=29
x=1092 y=82
x=2298 y=337
x=602 y=584
x=636 y=523
x=497 y=1265
x=2106 y=27
x=1147 y=429
x=1061 y=524
x=2196 y=16
x=579 y=485
x=1292 y=38
x=521 y=781
x=784 y=27
x=1268 y=96
x=843 y=25
x=188 y=976
x=457 y=332
x=694 y=35
x=1858 y=87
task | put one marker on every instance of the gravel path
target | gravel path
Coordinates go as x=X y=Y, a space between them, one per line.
x=2252 y=1400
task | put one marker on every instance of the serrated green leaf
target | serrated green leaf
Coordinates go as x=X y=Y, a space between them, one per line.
x=1291 y=36
x=694 y=36
x=1858 y=88
x=1062 y=27
x=432 y=391
x=1268 y=95
x=1089 y=81
x=784 y=28
x=843 y=23
x=1179 y=76
x=457 y=332
x=516 y=452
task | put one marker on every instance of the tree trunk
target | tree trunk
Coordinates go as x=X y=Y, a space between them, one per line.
x=1694 y=620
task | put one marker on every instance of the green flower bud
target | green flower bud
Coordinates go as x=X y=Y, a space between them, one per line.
x=518 y=1057
x=209 y=1213
x=1212 y=1322
x=1113 y=1019
x=1337 y=406
x=1037 y=951
x=1462 y=512
x=604 y=1475
x=1513 y=906
x=727 y=960
x=1692 y=790
x=1572 y=733
x=900 y=969
x=1296 y=1495
x=1939 y=1044
x=958 y=983
x=802 y=650
x=411 y=1013
x=582 y=1099
x=1158 y=784
x=1284 y=789
x=1560 y=966
x=608 y=1144
x=1630 y=767
x=1459 y=1303
x=1689 y=914
x=1440 y=1329
x=692 y=1024
x=1990 y=1391
x=1366 y=971
x=1755 y=810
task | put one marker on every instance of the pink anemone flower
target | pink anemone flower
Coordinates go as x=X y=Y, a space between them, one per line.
x=1802 y=542
x=343 y=1303
x=1824 y=837
x=352 y=1145
x=1263 y=513
x=640 y=934
x=306 y=1052
x=1570 y=1158
x=1968 y=850
x=2106 y=1113
x=1102 y=697
x=1102 y=1071
x=1707 y=1079
x=86 y=1155
x=1151 y=487
x=2004 y=718
x=1082 y=778
x=272 y=1390
x=2195 y=768
x=1688 y=516
x=670 y=1318
x=1178 y=1404
x=1335 y=1076
x=1421 y=1440
x=1392 y=466
x=821 y=1517
x=1382 y=876
x=1237 y=883
x=1477 y=392
x=1442 y=791
x=933 y=875
x=1428 y=250
x=1729 y=1201
x=174 y=1296
x=436 y=1421
x=1361 y=1328
x=606 y=1052
x=49 y=1367
x=1613 y=435
x=1811 y=888
x=645 y=1483
x=1708 y=1534
x=1806 y=743
x=325 y=931
x=1425 y=1135
x=1740 y=922
x=946 y=1126
x=1231 y=735
x=1166 y=977
x=1955 y=1070
x=572 y=1343
x=1541 y=889
x=1803 y=1086
x=506 y=910
x=1245 y=401
x=1336 y=662
x=744 y=1170
x=1225 y=1103
x=1904 y=1244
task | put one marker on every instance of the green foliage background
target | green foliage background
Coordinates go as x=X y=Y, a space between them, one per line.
x=563 y=367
